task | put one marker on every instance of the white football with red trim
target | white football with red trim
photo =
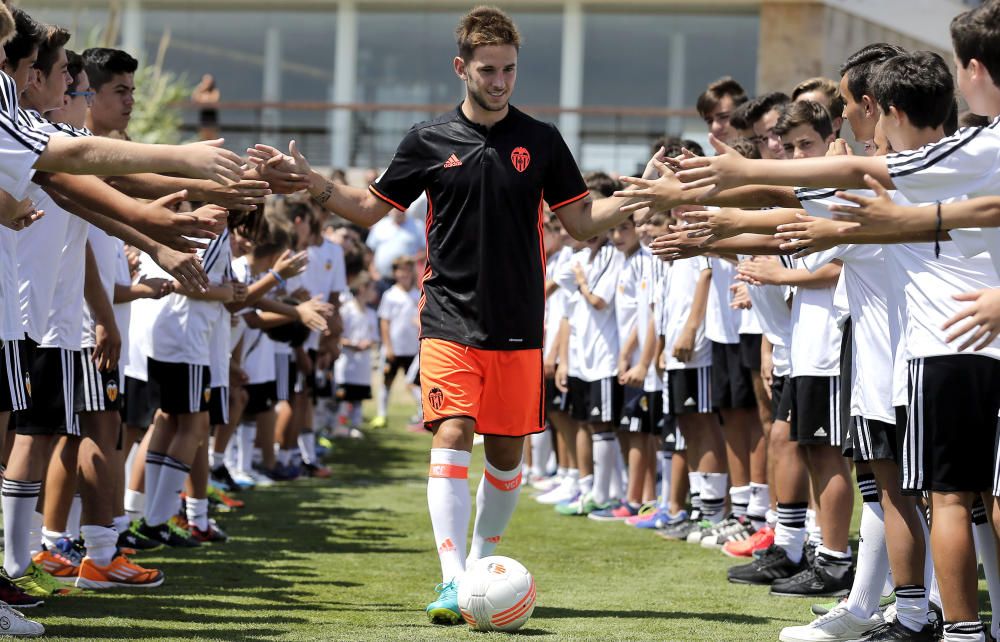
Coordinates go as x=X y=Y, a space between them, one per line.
x=496 y=594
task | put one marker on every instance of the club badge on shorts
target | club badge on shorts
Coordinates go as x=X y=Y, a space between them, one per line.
x=111 y=390
x=206 y=394
x=436 y=398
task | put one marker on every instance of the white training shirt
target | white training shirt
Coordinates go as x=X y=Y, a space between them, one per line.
x=722 y=322
x=650 y=278
x=399 y=308
x=354 y=367
x=627 y=296
x=143 y=315
x=815 y=348
x=123 y=311
x=182 y=331
x=107 y=251
x=258 y=348
x=555 y=303
x=593 y=340
x=325 y=275
x=683 y=281
x=772 y=309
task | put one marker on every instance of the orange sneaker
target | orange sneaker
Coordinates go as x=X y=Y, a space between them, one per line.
x=56 y=565
x=119 y=573
x=220 y=496
x=756 y=542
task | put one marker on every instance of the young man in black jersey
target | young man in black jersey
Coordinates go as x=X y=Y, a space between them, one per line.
x=483 y=304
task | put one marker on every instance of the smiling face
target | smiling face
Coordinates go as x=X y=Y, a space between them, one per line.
x=489 y=75
x=625 y=237
x=768 y=143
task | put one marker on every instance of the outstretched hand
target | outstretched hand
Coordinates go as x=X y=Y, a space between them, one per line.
x=717 y=173
x=878 y=213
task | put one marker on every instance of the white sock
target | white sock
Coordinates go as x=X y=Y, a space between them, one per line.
x=50 y=537
x=247 y=432
x=771 y=518
x=541 y=447
x=256 y=457
x=450 y=507
x=307 y=444
x=496 y=500
x=73 y=519
x=19 y=499
x=121 y=523
x=911 y=607
x=135 y=504
x=873 y=561
x=666 y=460
x=164 y=504
x=739 y=500
x=619 y=478
x=35 y=534
x=982 y=535
x=585 y=484
x=713 y=495
x=964 y=632
x=101 y=542
x=694 y=482
x=231 y=456
x=197 y=512
x=561 y=472
x=790 y=533
x=154 y=465
x=812 y=527
x=284 y=457
x=760 y=502
x=383 y=401
x=604 y=465
x=930 y=580
x=216 y=459
x=356 y=418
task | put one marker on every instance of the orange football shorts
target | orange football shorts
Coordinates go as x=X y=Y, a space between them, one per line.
x=501 y=390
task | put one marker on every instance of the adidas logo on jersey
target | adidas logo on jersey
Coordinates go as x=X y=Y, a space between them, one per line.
x=452 y=161
x=821 y=432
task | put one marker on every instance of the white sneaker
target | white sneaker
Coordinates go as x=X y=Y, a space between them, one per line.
x=13 y=622
x=260 y=481
x=545 y=484
x=242 y=478
x=564 y=492
x=839 y=625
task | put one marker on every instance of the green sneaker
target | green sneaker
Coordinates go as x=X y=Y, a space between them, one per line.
x=37 y=583
x=378 y=422
x=444 y=610
x=582 y=505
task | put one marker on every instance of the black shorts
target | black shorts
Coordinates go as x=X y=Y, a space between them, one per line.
x=97 y=391
x=690 y=391
x=218 y=406
x=396 y=365
x=732 y=386
x=142 y=399
x=816 y=411
x=847 y=441
x=641 y=411
x=53 y=373
x=667 y=429
x=555 y=399
x=781 y=399
x=873 y=440
x=353 y=392
x=261 y=397
x=14 y=380
x=750 y=352
x=950 y=441
x=184 y=387
x=595 y=401
x=284 y=376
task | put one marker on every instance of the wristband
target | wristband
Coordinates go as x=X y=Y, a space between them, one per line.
x=277 y=277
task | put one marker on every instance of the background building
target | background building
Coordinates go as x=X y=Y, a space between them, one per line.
x=348 y=77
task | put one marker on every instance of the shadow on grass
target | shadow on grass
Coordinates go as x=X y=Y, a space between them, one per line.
x=642 y=614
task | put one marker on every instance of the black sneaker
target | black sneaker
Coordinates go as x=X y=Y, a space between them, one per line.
x=771 y=566
x=224 y=478
x=135 y=540
x=820 y=579
x=680 y=531
x=895 y=631
x=167 y=534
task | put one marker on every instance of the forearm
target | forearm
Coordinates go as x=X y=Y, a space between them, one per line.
x=255 y=293
x=629 y=346
x=767 y=221
x=93 y=290
x=153 y=186
x=756 y=244
x=592 y=299
x=101 y=156
x=700 y=303
x=289 y=312
x=563 y=341
x=587 y=218
x=648 y=347
x=825 y=277
x=356 y=205
x=112 y=226
x=91 y=193
x=272 y=319
x=129 y=293
x=842 y=172
x=383 y=326
x=215 y=292
x=754 y=196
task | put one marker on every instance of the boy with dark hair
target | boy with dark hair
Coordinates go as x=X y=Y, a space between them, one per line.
x=716 y=104
x=112 y=77
x=804 y=127
x=826 y=92
x=762 y=115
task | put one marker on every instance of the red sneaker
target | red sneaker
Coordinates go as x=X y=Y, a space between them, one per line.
x=759 y=541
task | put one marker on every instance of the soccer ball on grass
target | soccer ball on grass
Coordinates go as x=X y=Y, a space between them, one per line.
x=496 y=594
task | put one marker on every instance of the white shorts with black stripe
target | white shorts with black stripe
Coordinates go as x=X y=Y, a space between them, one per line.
x=13 y=378
x=97 y=391
x=689 y=391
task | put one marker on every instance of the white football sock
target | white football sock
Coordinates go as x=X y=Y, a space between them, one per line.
x=231 y=456
x=760 y=503
x=541 y=448
x=19 y=500
x=739 y=500
x=307 y=445
x=986 y=549
x=450 y=507
x=164 y=503
x=666 y=468
x=121 y=524
x=911 y=607
x=216 y=459
x=247 y=432
x=790 y=532
x=604 y=465
x=101 y=542
x=813 y=529
x=496 y=500
x=50 y=537
x=284 y=457
x=73 y=519
x=154 y=465
x=585 y=484
x=964 y=632
x=618 y=488
x=197 y=512
x=135 y=504
x=873 y=560
x=713 y=495
x=694 y=482
x=383 y=401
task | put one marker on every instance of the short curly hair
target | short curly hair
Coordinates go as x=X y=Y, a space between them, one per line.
x=483 y=27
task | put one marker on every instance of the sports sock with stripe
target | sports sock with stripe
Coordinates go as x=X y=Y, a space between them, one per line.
x=18 y=499
x=739 y=500
x=666 y=470
x=873 y=559
x=713 y=495
x=496 y=500
x=307 y=446
x=197 y=512
x=964 y=632
x=450 y=507
x=164 y=503
x=694 y=485
x=151 y=478
x=790 y=532
x=605 y=446
x=911 y=606
x=760 y=501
